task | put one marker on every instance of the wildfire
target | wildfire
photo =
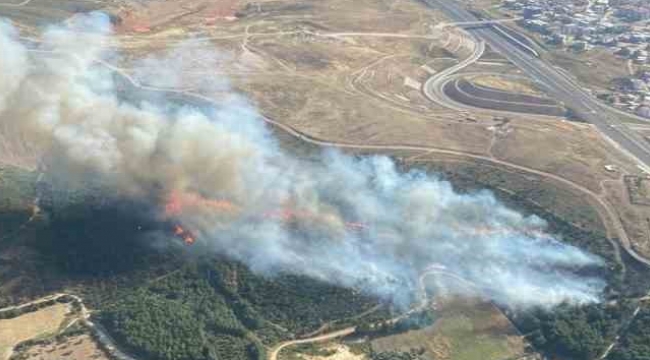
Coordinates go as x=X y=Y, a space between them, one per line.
x=357 y=226
x=289 y=215
x=177 y=202
x=184 y=235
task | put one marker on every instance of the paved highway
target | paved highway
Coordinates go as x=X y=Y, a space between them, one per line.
x=433 y=86
x=556 y=83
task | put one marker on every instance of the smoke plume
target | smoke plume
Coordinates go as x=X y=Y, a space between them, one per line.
x=351 y=221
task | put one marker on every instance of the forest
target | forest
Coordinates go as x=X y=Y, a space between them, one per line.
x=574 y=332
x=171 y=303
x=217 y=309
x=416 y=320
x=635 y=342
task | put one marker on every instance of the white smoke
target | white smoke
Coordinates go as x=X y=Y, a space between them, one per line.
x=361 y=222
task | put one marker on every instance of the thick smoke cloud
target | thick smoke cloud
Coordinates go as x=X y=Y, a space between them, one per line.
x=351 y=221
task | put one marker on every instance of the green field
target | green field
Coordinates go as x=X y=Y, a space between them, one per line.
x=465 y=330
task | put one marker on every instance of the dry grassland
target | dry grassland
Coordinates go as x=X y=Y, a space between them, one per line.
x=569 y=205
x=595 y=69
x=466 y=330
x=81 y=347
x=348 y=71
x=504 y=84
x=338 y=352
x=41 y=323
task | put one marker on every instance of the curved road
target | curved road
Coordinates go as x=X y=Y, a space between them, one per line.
x=556 y=83
x=99 y=330
x=605 y=208
x=344 y=332
x=273 y=355
x=432 y=88
x=431 y=270
x=451 y=103
x=618 y=135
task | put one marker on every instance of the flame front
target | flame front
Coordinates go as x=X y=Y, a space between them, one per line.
x=179 y=203
x=184 y=235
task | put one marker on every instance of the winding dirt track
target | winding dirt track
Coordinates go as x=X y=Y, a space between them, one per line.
x=604 y=207
x=609 y=215
x=432 y=89
x=431 y=270
x=102 y=334
x=273 y=354
x=611 y=220
x=36 y=301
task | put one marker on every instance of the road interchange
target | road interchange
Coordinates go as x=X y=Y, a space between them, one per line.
x=325 y=143
x=557 y=84
x=560 y=86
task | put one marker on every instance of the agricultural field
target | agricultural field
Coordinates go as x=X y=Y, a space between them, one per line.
x=77 y=347
x=322 y=70
x=42 y=323
x=323 y=351
x=324 y=74
x=466 y=329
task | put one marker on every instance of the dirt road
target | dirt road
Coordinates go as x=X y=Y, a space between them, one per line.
x=273 y=353
x=610 y=218
x=101 y=333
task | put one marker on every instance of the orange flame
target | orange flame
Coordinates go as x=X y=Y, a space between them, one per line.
x=189 y=240
x=289 y=215
x=178 y=201
x=184 y=235
x=358 y=226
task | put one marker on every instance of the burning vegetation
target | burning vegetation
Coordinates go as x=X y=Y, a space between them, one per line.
x=184 y=235
x=179 y=203
x=346 y=220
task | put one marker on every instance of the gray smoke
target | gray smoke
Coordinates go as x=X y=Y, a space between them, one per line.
x=352 y=221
